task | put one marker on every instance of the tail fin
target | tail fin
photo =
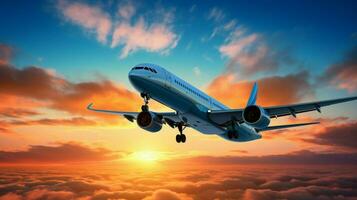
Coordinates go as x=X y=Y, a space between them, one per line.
x=253 y=95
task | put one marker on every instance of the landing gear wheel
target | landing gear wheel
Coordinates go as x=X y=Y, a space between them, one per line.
x=145 y=108
x=178 y=138
x=183 y=138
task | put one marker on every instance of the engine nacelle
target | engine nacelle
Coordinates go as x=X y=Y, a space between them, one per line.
x=256 y=117
x=149 y=121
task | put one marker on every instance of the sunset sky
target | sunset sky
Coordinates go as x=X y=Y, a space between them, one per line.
x=56 y=57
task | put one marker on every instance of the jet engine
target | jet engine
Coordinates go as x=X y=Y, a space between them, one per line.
x=149 y=121
x=256 y=116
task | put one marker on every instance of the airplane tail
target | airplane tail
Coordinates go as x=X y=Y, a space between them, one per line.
x=253 y=95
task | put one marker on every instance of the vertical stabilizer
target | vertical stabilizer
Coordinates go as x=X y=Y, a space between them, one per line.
x=253 y=95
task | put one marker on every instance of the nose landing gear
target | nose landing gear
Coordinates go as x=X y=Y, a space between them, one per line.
x=145 y=107
x=181 y=137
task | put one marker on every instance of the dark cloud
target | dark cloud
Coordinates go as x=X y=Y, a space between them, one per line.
x=74 y=121
x=63 y=153
x=343 y=74
x=292 y=88
x=299 y=157
x=339 y=135
x=17 y=112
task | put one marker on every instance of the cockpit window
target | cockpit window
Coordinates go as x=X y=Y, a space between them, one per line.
x=145 y=68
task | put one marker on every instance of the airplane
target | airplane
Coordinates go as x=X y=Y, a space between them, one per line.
x=199 y=111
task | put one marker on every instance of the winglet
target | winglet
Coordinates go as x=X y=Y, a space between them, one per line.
x=89 y=107
x=253 y=95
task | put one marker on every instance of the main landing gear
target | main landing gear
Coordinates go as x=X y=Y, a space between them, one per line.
x=180 y=137
x=145 y=107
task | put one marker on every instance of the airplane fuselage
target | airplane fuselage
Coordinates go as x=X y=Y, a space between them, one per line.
x=190 y=103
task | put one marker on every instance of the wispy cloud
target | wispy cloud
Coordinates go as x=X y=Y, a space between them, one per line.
x=154 y=36
x=91 y=17
x=343 y=74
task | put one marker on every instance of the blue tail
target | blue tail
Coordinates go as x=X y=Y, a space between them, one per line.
x=253 y=95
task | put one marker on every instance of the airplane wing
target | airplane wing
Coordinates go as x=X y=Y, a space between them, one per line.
x=223 y=117
x=131 y=116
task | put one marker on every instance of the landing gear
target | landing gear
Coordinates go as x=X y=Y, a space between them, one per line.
x=180 y=137
x=145 y=107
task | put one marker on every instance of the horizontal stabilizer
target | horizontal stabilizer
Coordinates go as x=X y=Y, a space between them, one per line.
x=287 y=126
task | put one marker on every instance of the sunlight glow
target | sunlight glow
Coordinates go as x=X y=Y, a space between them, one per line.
x=147 y=156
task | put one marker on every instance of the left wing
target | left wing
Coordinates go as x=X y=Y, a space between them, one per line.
x=131 y=116
x=222 y=117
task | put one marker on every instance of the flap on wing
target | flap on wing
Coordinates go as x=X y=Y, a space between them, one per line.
x=222 y=117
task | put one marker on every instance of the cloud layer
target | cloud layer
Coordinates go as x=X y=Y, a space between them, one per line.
x=236 y=182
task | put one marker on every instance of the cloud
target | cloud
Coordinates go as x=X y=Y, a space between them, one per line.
x=216 y=14
x=343 y=74
x=46 y=194
x=6 y=53
x=234 y=182
x=63 y=153
x=163 y=194
x=90 y=17
x=197 y=71
x=337 y=135
x=156 y=37
x=17 y=112
x=299 y=157
x=24 y=91
x=126 y=10
x=74 y=121
x=250 y=53
x=292 y=88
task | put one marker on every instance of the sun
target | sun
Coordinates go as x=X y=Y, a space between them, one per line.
x=146 y=156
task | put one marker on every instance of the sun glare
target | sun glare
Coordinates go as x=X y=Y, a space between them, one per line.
x=146 y=156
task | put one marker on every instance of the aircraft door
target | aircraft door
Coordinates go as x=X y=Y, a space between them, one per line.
x=168 y=79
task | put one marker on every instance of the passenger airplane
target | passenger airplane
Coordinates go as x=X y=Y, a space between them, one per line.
x=199 y=111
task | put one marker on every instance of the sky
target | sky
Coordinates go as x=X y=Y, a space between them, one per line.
x=56 y=57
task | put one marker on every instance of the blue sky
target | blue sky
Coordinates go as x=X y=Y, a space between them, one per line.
x=316 y=33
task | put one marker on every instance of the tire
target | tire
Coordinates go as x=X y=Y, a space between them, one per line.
x=183 y=138
x=178 y=138
x=145 y=108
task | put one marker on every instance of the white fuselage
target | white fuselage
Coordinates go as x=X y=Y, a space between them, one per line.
x=191 y=104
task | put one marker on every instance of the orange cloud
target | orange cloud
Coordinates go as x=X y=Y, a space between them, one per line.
x=273 y=90
x=63 y=153
x=343 y=74
x=24 y=91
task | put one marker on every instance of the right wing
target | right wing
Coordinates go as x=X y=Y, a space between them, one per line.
x=224 y=117
x=168 y=116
